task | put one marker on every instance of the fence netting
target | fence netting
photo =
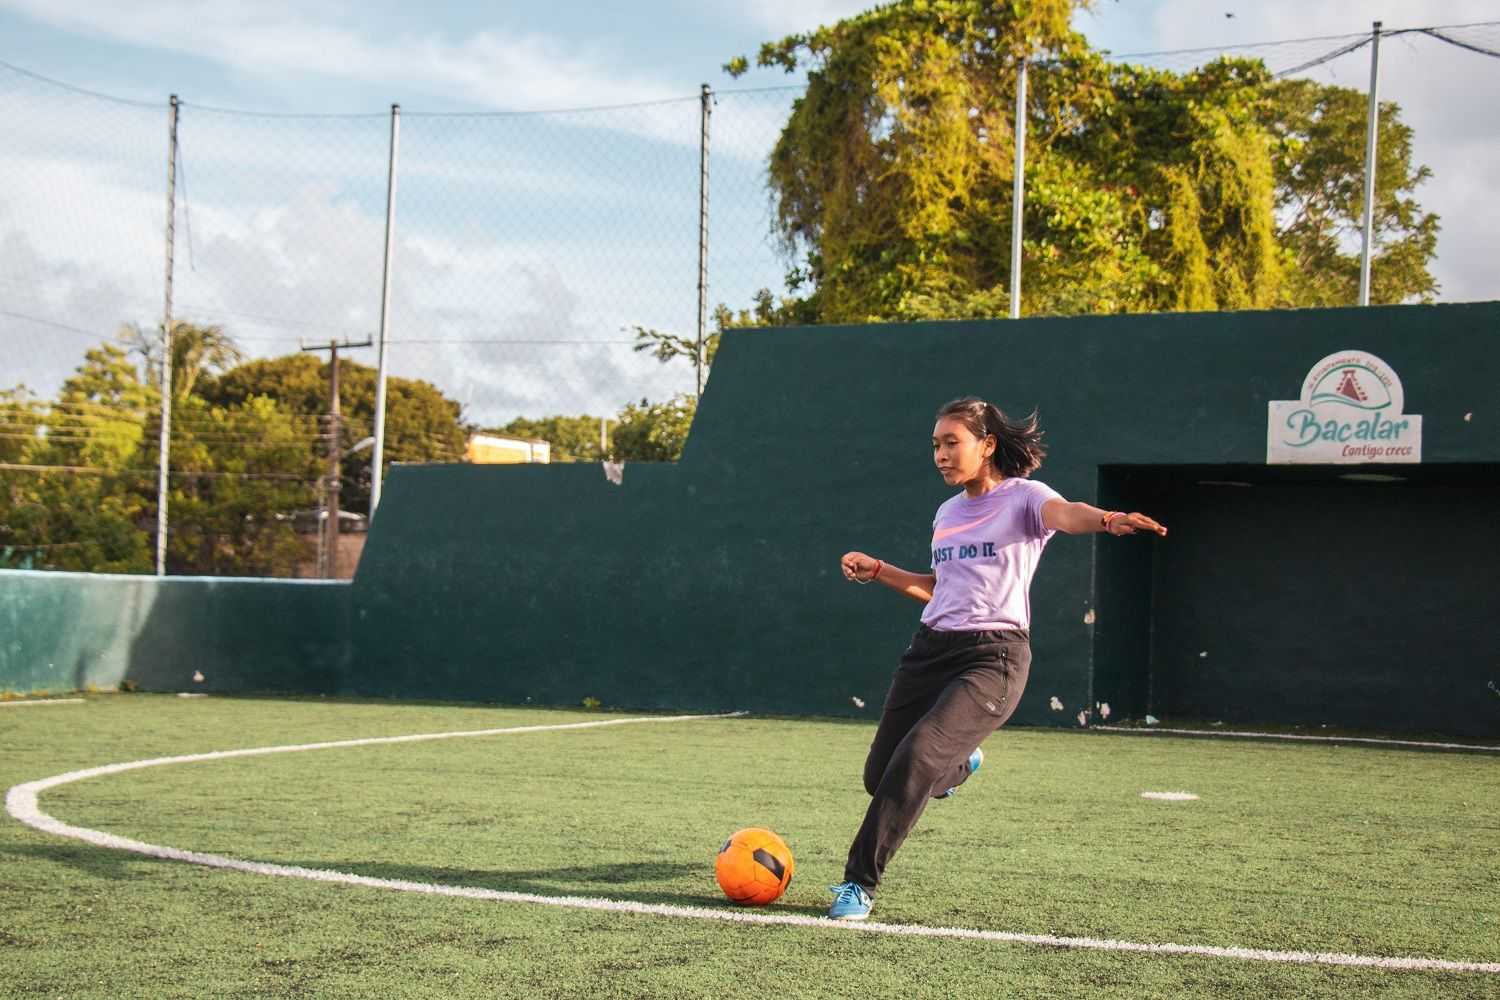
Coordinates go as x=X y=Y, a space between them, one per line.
x=529 y=252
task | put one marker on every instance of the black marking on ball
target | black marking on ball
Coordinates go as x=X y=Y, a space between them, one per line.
x=770 y=862
x=726 y=845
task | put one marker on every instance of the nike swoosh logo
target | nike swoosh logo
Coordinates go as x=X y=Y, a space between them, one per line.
x=938 y=536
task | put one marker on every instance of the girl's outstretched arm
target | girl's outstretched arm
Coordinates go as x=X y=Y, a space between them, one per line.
x=1078 y=518
x=862 y=569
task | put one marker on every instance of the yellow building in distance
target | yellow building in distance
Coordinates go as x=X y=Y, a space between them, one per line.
x=495 y=449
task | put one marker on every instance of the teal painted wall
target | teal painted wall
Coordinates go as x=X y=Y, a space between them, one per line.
x=1325 y=601
x=70 y=631
x=713 y=584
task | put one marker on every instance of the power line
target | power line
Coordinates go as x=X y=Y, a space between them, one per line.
x=1435 y=33
x=77 y=90
x=696 y=98
x=140 y=473
x=1433 y=30
x=1234 y=48
x=1326 y=57
x=310 y=115
x=282 y=324
x=1295 y=41
x=531 y=342
x=51 y=323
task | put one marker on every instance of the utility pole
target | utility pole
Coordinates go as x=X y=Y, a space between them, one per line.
x=700 y=359
x=1018 y=193
x=377 y=458
x=165 y=447
x=1372 y=131
x=329 y=550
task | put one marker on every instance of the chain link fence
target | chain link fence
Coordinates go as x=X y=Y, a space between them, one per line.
x=527 y=250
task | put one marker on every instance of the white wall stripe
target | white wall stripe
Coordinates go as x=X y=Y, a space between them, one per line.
x=22 y=803
x=1299 y=737
x=42 y=701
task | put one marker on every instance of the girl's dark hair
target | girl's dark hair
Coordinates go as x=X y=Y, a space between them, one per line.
x=1019 y=451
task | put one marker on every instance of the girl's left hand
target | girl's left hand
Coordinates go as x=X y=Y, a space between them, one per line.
x=859 y=567
x=1131 y=523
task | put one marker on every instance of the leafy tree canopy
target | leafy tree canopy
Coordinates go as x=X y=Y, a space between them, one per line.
x=573 y=439
x=1147 y=190
x=654 y=432
x=421 y=424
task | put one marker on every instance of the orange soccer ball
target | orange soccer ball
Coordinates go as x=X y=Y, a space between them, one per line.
x=754 y=867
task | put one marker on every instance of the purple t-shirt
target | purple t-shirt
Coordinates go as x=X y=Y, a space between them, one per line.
x=985 y=550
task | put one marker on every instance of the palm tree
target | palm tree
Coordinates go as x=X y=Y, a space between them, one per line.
x=196 y=350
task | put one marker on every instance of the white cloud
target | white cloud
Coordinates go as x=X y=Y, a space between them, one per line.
x=787 y=17
x=1183 y=23
x=531 y=73
x=51 y=311
x=279 y=37
x=287 y=228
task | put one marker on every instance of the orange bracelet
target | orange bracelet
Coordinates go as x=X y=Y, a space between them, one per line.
x=1110 y=518
x=875 y=575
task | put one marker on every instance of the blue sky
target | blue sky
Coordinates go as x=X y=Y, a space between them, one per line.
x=517 y=237
x=239 y=55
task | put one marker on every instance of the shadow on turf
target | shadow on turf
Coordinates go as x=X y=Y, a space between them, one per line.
x=86 y=858
x=607 y=881
x=620 y=881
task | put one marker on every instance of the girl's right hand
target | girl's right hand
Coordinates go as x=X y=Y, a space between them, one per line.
x=859 y=567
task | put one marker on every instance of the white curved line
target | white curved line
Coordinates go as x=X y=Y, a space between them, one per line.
x=42 y=701
x=21 y=802
x=1299 y=738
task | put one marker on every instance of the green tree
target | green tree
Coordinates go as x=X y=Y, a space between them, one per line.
x=1320 y=198
x=64 y=520
x=99 y=417
x=573 y=439
x=196 y=351
x=85 y=514
x=22 y=418
x=1147 y=190
x=422 y=425
x=240 y=473
x=765 y=310
x=654 y=432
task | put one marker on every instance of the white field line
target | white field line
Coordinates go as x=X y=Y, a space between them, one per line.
x=1298 y=737
x=21 y=803
x=42 y=701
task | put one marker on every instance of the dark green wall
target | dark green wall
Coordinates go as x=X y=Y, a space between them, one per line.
x=1315 y=600
x=713 y=584
x=71 y=631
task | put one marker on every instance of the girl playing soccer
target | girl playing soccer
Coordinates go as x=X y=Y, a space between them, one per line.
x=967 y=664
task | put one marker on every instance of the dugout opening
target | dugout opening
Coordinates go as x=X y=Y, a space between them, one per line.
x=1353 y=596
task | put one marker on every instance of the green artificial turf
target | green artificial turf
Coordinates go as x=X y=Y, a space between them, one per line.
x=1296 y=847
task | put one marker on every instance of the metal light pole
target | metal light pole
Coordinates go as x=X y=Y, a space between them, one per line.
x=1372 y=129
x=699 y=360
x=1018 y=194
x=164 y=450
x=378 y=456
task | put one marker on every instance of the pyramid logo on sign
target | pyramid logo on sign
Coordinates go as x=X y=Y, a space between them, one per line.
x=1350 y=388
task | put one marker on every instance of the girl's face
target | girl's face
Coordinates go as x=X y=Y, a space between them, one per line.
x=959 y=455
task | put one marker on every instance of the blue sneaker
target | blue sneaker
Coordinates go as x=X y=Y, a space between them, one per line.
x=850 y=902
x=975 y=759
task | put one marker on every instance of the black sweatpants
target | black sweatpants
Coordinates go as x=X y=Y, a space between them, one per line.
x=951 y=690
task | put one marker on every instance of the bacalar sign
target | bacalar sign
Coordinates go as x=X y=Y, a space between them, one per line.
x=1350 y=412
